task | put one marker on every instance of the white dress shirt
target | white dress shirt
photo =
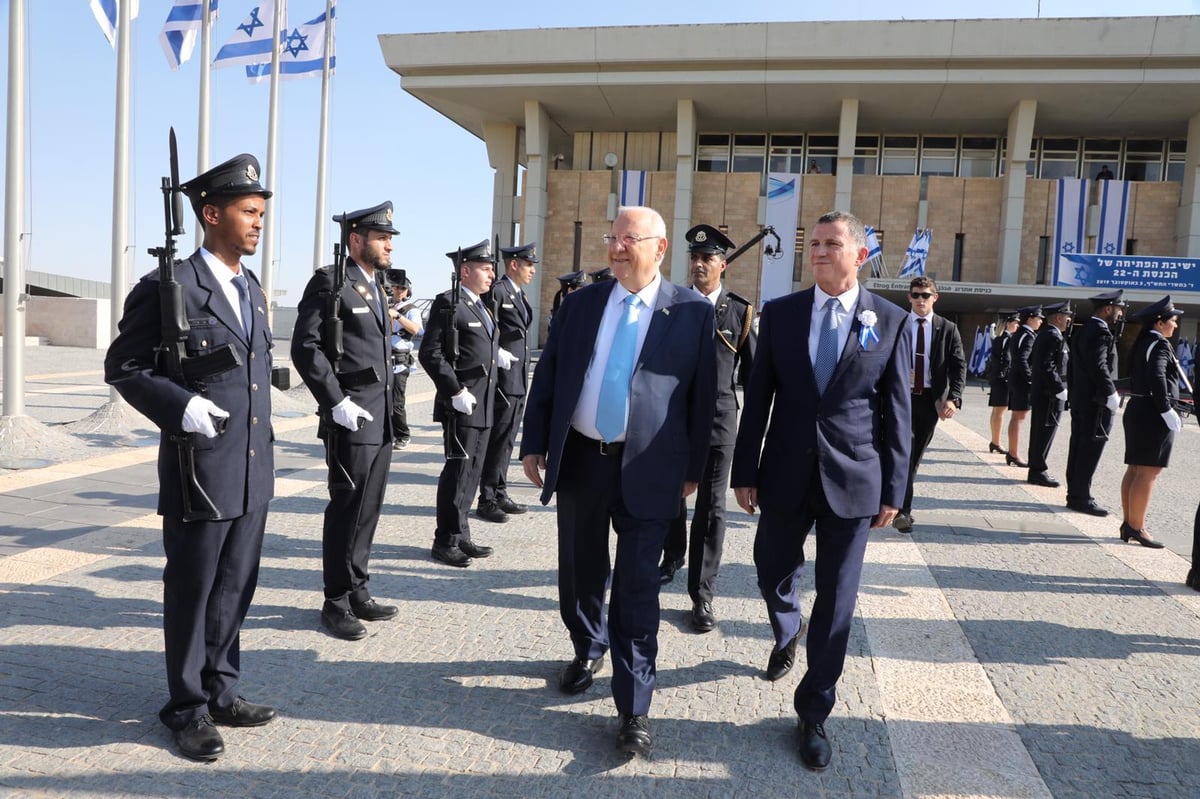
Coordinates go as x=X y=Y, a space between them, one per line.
x=912 y=326
x=846 y=302
x=224 y=277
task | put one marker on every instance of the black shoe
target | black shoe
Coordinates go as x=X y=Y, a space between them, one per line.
x=903 y=522
x=512 y=508
x=342 y=624
x=814 y=747
x=1131 y=533
x=450 y=555
x=373 y=611
x=490 y=512
x=242 y=714
x=782 y=660
x=666 y=572
x=402 y=443
x=1090 y=508
x=1193 y=579
x=577 y=676
x=473 y=550
x=703 y=620
x=200 y=740
x=997 y=448
x=634 y=737
x=1042 y=479
x=1013 y=460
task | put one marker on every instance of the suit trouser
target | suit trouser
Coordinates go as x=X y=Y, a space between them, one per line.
x=924 y=421
x=208 y=582
x=1085 y=448
x=779 y=559
x=399 y=412
x=350 y=521
x=1044 y=416
x=456 y=486
x=1196 y=540
x=708 y=527
x=589 y=497
x=492 y=484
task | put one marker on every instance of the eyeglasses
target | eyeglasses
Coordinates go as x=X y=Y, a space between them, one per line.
x=920 y=295
x=627 y=240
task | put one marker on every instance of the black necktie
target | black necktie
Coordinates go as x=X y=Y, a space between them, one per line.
x=919 y=371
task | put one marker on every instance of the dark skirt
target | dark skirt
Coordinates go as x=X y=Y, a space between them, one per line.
x=999 y=396
x=1018 y=398
x=1148 y=440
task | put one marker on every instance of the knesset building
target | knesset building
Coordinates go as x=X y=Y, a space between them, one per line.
x=963 y=127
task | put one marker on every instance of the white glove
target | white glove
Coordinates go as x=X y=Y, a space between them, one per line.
x=505 y=359
x=1174 y=423
x=463 y=402
x=197 y=416
x=1113 y=401
x=347 y=413
x=1061 y=396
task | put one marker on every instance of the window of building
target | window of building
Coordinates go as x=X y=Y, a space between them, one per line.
x=822 y=155
x=749 y=152
x=899 y=155
x=786 y=154
x=978 y=159
x=1176 y=156
x=712 y=152
x=1101 y=159
x=1059 y=158
x=956 y=269
x=866 y=155
x=1144 y=159
x=938 y=154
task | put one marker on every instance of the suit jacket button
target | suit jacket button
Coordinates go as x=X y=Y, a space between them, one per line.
x=253 y=420
x=254 y=386
x=251 y=453
x=203 y=343
x=253 y=355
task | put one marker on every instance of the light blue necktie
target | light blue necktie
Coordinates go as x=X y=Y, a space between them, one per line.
x=243 y=290
x=614 y=389
x=827 y=354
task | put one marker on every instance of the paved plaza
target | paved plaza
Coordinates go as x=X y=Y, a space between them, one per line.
x=1007 y=648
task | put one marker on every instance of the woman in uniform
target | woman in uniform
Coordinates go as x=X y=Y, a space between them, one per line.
x=1020 y=374
x=1150 y=418
x=997 y=373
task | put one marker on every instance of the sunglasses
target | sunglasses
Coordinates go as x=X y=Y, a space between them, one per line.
x=920 y=295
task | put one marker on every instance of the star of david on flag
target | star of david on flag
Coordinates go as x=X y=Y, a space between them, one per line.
x=251 y=41
x=302 y=51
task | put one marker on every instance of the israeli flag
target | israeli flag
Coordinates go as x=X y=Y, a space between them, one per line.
x=251 y=42
x=178 y=37
x=633 y=187
x=1113 y=199
x=873 y=248
x=1070 y=225
x=976 y=351
x=301 y=52
x=105 y=12
x=917 y=254
x=1187 y=359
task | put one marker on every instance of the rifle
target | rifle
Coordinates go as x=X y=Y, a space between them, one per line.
x=332 y=346
x=182 y=369
x=495 y=309
x=453 y=446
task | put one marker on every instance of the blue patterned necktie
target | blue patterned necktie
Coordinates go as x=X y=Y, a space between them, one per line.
x=243 y=290
x=827 y=354
x=614 y=389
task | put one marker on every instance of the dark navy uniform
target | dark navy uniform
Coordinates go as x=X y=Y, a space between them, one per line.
x=1020 y=371
x=567 y=283
x=1092 y=387
x=734 y=342
x=364 y=375
x=211 y=566
x=474 y=370
x=1048 y=361
x=998 y=366
x=513 y=314
x=1153 y=391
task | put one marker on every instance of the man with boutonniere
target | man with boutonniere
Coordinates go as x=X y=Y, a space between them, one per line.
x=831 y=374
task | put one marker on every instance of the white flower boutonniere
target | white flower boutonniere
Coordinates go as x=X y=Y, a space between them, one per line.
x=867 y=333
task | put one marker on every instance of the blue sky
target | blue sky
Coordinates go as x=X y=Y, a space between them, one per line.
x=383 y=143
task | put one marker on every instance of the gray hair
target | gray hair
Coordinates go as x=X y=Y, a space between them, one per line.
x=854 y=225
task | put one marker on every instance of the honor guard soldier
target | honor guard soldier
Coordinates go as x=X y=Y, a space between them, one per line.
x=460 y=351
x=572 y=281
x=734 y=343
x=601 y=275
x=406 y=326
x=1020 y=374
x=1093 y=396
x=514 y=315
x=1048 y=361
x=216 y=436
x=352 y=383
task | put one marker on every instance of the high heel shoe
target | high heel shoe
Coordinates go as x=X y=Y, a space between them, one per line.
x=1013 y=460
x=1193 y=579
x=1131 y=533
x=997 y=448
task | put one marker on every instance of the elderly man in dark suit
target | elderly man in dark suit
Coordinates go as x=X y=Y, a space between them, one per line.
x=354 y=398
x=939 y=373
x=223 y=427
x=1048 y=363
x=466 y=396
x=831 y=375
x=618 y=418
x=734 y=342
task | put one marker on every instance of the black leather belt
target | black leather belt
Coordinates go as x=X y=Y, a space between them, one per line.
x=603 y=447
x=918 y=392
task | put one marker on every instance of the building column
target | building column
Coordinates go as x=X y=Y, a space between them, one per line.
x=1012 y=207
x=533 y=223
x=501 y=140
x=685 y=164
x=847 y=136
x=1187 y=220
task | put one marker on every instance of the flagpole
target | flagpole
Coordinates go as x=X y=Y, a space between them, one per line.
x=14 y=213
x=120 y=210
x=268 y=235
x=202 y=147
x=323 y=145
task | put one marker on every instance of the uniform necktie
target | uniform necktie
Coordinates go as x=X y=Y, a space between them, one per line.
x=243 y=290
x=614 y=388
x=919 y=366
x=487 y=317
x=827 y=354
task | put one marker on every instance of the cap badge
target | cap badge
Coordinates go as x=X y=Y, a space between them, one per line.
x=389 y=216
x=533 y=252
x=251 y=173
x=701 y=236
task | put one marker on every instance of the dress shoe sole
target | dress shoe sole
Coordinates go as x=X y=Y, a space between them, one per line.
x=635 y=747
x=200 y=757
x=366 y=616
x=239 y=723
x=1098 y=512
x=494 y=518
x=347 y=635
x=458 y=564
